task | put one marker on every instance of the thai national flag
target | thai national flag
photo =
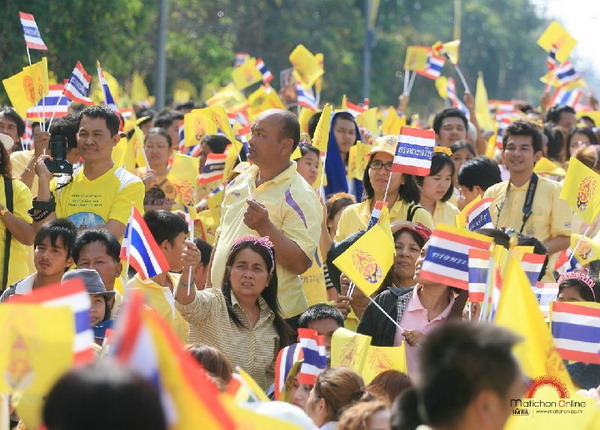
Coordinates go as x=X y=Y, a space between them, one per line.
x=532 y=266
x=503 y=120
x=545 y=293
x=566 y=73
x=447 y=259
x=479 y=265
x=434 y=67
x=376 y=214
x=240 y=58
x=479 y=215
x=31 y=32
x=314 y=355
x=565 y=97
x=551 y=60
x=213 y=169
x=108 y=98
x=576 y=331
x=53 y=104
x=267 y=76
x=355 y=109
x=453 y=97
x=283 y=365
x=306 y=98
x=204 y=201
x=78 y=87
x=140 y=248
x=74 y=295
x=496 y=290
x=414 y=151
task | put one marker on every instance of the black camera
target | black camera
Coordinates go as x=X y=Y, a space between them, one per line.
x=58 y=151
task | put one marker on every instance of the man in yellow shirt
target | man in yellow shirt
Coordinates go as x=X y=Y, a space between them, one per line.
x=98 y=195
x=170 y=232
x=270 y=198
x=527 y=203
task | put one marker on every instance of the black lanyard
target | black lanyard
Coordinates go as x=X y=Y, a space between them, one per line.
x=527 y=206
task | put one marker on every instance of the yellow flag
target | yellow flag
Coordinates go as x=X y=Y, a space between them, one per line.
x=547 y=167
x=296 y=154
x=594 y=114
x=451 y=49
x=481 y=106
x=416 y=57
x=184 y=90
x=124 y=155
x=209 y=221
x=306 y=66
x=556 y=36
x=349 y=349
x=368 y=120
x=196 y=124
x=367 y=261
x=227 y=96
x=321 y=137
x=319 y=82
x=519 y=311
x=27 y=87
x=139 y=91
x=39 y=75
x=461 y=218
x=246 y=74
x=137 y=141
x=441 y=85
x=382 y=358
x=587 y=251
x=184 y=175
x=551 y=79
x=262 y=99
x=252 y=386
x=392 y=122
x=247 y=419
x=358 y=159
x=581 y=190
x=305 y=116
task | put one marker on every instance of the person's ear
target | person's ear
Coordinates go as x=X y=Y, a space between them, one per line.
x=537 y=156
x=165 y=246
x=116 y=138
x=487 y=406
x=118 y=269
x=70 y=262
x=479 y=190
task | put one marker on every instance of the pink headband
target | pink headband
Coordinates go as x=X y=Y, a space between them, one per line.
x=579 y=276
x=263 y=242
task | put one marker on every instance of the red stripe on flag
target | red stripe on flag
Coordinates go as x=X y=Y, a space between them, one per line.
x=460 y=239
x=410 y=170
x=444 y=280
x=575 y=309
x=417 y=132
x=584 y=357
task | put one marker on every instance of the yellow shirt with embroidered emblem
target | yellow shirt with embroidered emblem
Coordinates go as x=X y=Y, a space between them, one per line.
x=160 y=298
x=356 y=217
x=91 y=203
x=293 y=208
x=445 y=213
x=254 y=349
x=550 y=217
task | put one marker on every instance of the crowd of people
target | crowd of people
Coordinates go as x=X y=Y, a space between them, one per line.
x=238 y=298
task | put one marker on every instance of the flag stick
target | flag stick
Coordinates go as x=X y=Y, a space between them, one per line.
x=462 y=78
x=244 y=171
x=351 y=289
x=4 y=411
x=387 y=315
x=574 y=250
x=406 y=79
x=322 y=176
x=37 y=109
x=387 y=187
x=412 y=82
x=191 y=227
x=54 y=112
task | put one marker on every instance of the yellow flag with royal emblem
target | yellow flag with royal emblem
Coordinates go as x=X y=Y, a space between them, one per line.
x=368 y=120
x=247 y=74
x=184 y=176
x=416 y=57
x=27 y=87
x=588 y=249
x=349 y=349
x=321 y=136
x=392 y=122
x=262 y=99
x=358 y=159
x=555 y=37
x=382 y=358
x=306 y=66
x=581 y=190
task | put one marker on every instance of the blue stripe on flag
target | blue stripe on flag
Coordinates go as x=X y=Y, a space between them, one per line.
x=480 y=220
x=31 y=31
x=533 y=276
x=312 y=357
x=414 y=151
x=289 y=358
x=138 y=244
x=478 y=275
x=448 y=258
x=578 y=332
x=82 y=321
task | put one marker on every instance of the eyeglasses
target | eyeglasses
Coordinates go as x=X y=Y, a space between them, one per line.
x=377 y=165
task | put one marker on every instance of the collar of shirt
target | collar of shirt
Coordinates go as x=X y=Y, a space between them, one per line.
x=415 y=305
x=513 y=187
x=288 y=173
x=265 y=311
x=25 y=286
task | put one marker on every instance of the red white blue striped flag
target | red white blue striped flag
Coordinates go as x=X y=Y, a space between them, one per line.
x=53 y=104
x=414 y=151
x=434 y=67
x=313 y=354
x=545 y=293
x=566 y=73
x=31 y=32
x=532 y=265
x=108 y=98
x=565 y=97
x=286 y=358
x=479 y=215
x=479 y=265
x=576 y=331
x=213 y=168
x=376 y=214
x=78 y=87
x=267 y=76
x=306 y=98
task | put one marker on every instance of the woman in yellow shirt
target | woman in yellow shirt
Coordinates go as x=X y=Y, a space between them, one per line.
x=401 y=193
x=437 y=188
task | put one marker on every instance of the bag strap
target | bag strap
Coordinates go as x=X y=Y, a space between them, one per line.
x=410 y=213
x=8 y=192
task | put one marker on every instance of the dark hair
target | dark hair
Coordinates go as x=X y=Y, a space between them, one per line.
x=67 y=126
x=586 y=131
x=205 y=249
x=588 y=294
x=12 y=114
x=359 y=415
x=290 y=127
x=165 y=225
x=538 y=248
x=216 y=142
x=524 y=128
x=59 y=227
x=102 y=235
x=103 y=396
x=269 y=294
x=413 y=234
x=552 y=114
x=312 y=124
x=165 y=120
x=320 y=311
x=306 y=148
x=5 y=164
x=158 y=131
x=588 y=118
x=438 y=162
x=465 y=359
x=340 y=388
x=500 y=237
x=344 y=116
x=447 y=113
x=557 y=139
x=389 y=384
x=190 y=104
x=564 y=109
x=408 y=192
x=462 y=144
x=212 y=360
x=112 y=120
x=338 y=201
x=480 y=171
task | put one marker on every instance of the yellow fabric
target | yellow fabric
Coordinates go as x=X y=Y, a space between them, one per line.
x=581 y=189
x=356 y=217
x=321 y=136
x=162 y=195
x=19 y=264
x=556 y=35
x=124 y=155
x=184 y=176
x=392 y=122
x=262 y=99
x=482 y=111
x=305 y=116
x=588 y=249
x=91 y=203
x=253 y=349
x=208 y=222
x=545 y=166
x=160 y=298
x=416 y=57
x=349 y=349
x=368 y=120
x=445 y=213
x=18 y=162
x=551 y=216
x=358 y=159
x=246 y=74
x=303 y=230
x=306 y=66
x=382 y=358
x=313 y=281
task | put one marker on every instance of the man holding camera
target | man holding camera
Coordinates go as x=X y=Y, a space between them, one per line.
x=100 y=194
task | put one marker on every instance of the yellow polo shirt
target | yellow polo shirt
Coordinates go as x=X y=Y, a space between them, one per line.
x=160 y=298
x=356 y=217
x=445 y=213
x=551 y=216
x=293 y=208
x=92 y=203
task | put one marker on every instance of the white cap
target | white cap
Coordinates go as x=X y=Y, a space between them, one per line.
x=7 y=141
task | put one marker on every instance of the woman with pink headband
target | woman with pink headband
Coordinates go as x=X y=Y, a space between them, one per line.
x=577 y=287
